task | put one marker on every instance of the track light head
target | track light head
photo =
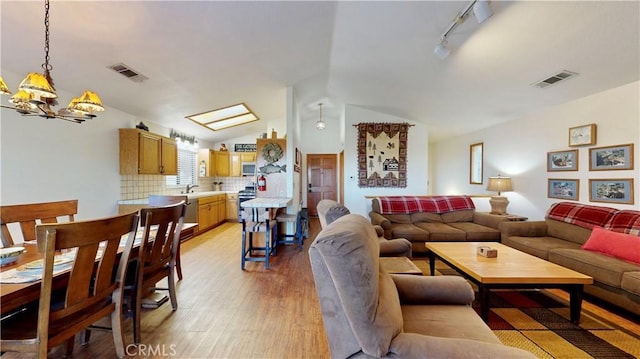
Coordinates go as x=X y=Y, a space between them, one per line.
x=441 y=50
x=482 y=10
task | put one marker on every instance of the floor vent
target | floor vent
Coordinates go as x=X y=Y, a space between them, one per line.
x=559 y=77
x=128 y=72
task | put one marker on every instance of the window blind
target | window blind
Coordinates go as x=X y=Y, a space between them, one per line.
x=187 y=166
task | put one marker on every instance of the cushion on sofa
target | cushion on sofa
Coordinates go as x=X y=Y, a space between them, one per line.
x=445 y=321
x=631 y=282
x=336 y=212
x=409 y=231
x=464 y=215
x=625 y=221
x=440 y=232
x=618 y=245
x=476 y=232
x=537 y=246
x=603 y=269
x=582 y=215
x=568 y=232
x=425 y=217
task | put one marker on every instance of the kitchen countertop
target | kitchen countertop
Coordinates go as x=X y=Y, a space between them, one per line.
x=190 y=196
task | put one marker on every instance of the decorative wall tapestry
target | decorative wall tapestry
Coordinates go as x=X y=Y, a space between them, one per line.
x=382 y=154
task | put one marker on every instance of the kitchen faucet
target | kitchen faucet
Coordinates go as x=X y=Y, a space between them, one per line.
x=190 y=187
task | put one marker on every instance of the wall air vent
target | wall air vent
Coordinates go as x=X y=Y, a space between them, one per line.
x=128 y=72
x=559 y=77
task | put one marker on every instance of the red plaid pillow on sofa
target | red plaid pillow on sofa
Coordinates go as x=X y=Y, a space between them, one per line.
x=625 y=221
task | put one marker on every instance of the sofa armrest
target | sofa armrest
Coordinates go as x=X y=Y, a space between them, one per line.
x=523 y=229
x=488 y=219
x=414 y=289
x=397 y=247
x=382 y=221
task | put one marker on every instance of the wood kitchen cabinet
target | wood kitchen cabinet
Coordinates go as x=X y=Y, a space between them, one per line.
x=232 y=207
x=247 y=156
x=235 y=164
x=224 y=163
x=221 y=163
x=143 y=152
x=211 y=211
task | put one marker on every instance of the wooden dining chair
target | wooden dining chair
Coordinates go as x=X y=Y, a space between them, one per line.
x=254 y=221
x=93 y=291
x=28 y=215
x=166 y=200
x=157 y=258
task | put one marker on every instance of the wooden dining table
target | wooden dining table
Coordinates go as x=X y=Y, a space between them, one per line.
x=14 y=296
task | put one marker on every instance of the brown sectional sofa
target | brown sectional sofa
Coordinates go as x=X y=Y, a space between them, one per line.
x=560 y=237
x=423 y=219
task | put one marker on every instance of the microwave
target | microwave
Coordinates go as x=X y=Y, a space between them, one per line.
x=248 y=168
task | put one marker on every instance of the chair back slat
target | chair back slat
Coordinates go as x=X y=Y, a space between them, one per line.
x=28 y=215
x=159 y=244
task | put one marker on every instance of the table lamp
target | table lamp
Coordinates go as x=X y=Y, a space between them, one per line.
x=499 y=184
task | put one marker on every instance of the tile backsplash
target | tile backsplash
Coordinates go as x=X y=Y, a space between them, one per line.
x=141 y=186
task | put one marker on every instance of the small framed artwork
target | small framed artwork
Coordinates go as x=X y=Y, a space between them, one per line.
x=582 y=135
x=618 y=190
x=568 y=189
x=562 y=161
x=611 y=158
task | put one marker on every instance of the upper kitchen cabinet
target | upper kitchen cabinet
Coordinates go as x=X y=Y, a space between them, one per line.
x=142 y=152
x=221 y=163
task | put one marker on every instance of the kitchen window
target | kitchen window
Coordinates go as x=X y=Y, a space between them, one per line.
x=187 y=166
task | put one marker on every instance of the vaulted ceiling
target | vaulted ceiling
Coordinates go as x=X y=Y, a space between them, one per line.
x=203 y=55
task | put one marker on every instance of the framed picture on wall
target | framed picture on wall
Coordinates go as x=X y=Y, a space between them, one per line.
x=582 y=135
x=562 y=161
x=568 y=189
x=611 y=158
x=618 y=190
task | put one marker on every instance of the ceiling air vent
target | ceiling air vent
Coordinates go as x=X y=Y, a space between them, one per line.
x=128 y=72
x=560 y=76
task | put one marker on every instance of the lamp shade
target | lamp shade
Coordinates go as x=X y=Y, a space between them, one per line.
x=499 y=184
x=37 y=84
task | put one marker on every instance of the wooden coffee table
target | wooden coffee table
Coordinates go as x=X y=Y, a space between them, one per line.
x=511 y=269
x=399 y=265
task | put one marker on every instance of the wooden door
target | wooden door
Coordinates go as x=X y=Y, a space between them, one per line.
x=321 y=180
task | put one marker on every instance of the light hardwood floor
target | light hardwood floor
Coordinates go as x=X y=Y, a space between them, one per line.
x=224 y=312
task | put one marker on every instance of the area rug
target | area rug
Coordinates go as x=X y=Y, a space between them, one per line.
x=536 y=322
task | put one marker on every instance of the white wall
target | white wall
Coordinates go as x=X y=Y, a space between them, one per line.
x=417 y=155
x=519 y=149
x=48 y=159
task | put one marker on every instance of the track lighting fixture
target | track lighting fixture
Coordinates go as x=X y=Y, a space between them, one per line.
x=481 y=10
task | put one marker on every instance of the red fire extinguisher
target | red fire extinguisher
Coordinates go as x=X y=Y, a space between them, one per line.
x=262 y=183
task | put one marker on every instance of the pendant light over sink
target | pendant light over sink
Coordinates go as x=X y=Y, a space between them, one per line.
x=36 y=94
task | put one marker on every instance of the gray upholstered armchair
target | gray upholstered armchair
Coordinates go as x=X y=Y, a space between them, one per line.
x=370 y=313
x=330 y=210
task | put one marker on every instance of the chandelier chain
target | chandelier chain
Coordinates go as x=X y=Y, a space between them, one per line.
x=46 y=66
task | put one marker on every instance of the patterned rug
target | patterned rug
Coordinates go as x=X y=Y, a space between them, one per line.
x=536 y=322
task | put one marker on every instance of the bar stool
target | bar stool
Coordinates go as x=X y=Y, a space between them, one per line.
x=300 y=228
x=257 y=220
